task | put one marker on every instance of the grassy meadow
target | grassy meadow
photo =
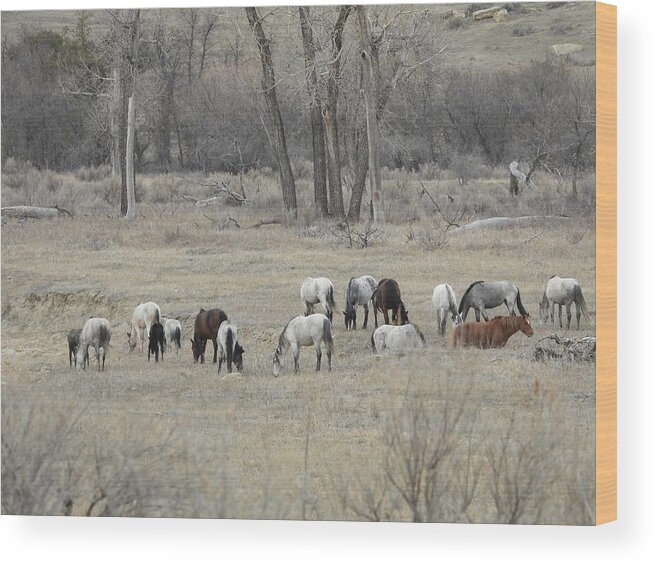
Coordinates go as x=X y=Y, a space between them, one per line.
x=440 y=435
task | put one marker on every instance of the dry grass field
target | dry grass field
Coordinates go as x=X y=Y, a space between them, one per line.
x=442 y=435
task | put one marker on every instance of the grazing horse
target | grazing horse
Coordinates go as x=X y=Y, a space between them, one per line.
x=156 y=341
x=73 y=344
x=387 y=296
x=172 y=333
x=444 y=301
x=206 y=327
x=481 y=295
x=97 y=333
x=358 y=293
x=320 y=290
x=300 y=331
x=229 y=349
x=143 y=316
x=397 y=339
x=492 y=334
x=563 y=292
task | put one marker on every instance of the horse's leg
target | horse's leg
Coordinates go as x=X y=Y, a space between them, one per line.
x=386 y=316
x=330 y=357
x=553 y=308
x=366 y=316
x=477 y=312
x=560 y=315
x=317 y=346
x=568 y=309
x=375 y=314
x=296 y=350
x=103 y=359
x=484 y=314
x=578 y=316
x=97 y=350
x=220 y=363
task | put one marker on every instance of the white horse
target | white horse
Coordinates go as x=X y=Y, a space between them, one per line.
x=563 y=292
x=359 y=291
x=444 y=301
x=397 y=339
x=228 y=347
x=172 y=333
x=143 y=316
x=97 y=333
x=320 y=290
x=301 y=331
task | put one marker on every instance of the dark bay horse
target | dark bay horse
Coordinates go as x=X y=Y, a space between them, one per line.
x=206 y=327
x=387 y=296
x=492 y=334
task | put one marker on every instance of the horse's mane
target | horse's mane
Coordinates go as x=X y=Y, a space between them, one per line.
x=450 y=297
x=462 y=300
x=281 y=337
x=552 y=277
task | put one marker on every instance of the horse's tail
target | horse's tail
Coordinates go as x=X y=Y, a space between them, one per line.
x=452 y=300
x=373 y=344
x=461 y=306
x=520 y=306
x=328 y=336
x=157 y=316
x=421 y=334
x=176 y=338
x=331 y=297
x=578 y=298
x=104 y=336
x=229 y=346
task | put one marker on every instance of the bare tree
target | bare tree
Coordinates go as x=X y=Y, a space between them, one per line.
x=130 y=212
x=370 y=84
x=269 y=90
x=318 y=139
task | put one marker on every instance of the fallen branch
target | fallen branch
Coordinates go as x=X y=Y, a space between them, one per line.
x=36 y=212
x=503 y=223
x=219 y=188
x=451 y=222
x=265 y=223
x=567 y=348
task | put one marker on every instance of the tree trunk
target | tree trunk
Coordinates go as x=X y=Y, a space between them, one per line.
x=269 y=90
x=130 y=173
x=318 y=139
x=370 y=99
x=129 y=160
x=115 y=120
x=362 y=167
x=330 y=115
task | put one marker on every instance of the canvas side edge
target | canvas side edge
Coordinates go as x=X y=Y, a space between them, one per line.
x=606 y=264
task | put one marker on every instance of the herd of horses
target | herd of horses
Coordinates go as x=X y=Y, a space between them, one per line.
x=311 y=329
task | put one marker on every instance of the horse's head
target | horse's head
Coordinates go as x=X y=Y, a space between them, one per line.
x=525 y=325
x=197 y=349
x=278 y=362
x=132 y=341
x=238 y=357
x=404 y=315
x=456 y=319
x=349 y=318
x=544 y=309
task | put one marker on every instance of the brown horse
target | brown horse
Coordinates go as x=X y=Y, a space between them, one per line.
x=494 y=333
x=206 y=327
x=387 y=296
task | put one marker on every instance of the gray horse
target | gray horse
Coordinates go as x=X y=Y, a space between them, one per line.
x=481 y=295
x=563 y=292
x=359 y=292
x=302 y=331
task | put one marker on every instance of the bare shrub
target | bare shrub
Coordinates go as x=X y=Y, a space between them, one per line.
x=456 y=22
x=522 y=30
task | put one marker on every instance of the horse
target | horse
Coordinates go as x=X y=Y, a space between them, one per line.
x=143 y=316
x=397 y=339
x=206 y=327
x=492 y=334
x=156 y=341
x=97 y=333
x=481 y=295
x=358 y=293
x=172 y=333
x=230 y=350
x=73 y=344
x=301 y=331
x=319 y=290
x=563 y=292
x=387 y=296
x=444 y=301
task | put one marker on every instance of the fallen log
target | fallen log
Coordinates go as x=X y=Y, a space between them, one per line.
x=503 y=223
x=36 y=212
x=566 y=348
x=486 y=12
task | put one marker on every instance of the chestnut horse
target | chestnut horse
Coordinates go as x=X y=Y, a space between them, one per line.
x=494 y=333
x=387 y=296
x=206 y=327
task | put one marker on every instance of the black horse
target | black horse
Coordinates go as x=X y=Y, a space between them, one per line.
x=156 y=341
